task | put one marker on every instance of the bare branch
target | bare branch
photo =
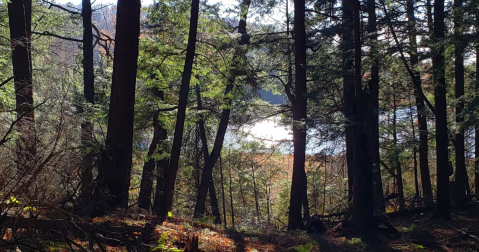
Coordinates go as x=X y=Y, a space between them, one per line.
x=46 y=33
x=6 y=81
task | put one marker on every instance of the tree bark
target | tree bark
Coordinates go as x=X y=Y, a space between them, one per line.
x=114 y=169
x=204 y=147
x=348 y=89
x=223 y=192
x=363 y=202
x=231 y=192
x=295 y=220
x=421 y=108
x=256 y=197
x=89 y=94
x=207 y=175
x=400 y=186
x=170 y=174
x=442 y=198
x=476 y=132
x=374 y=110
x=147 y=176
x=461 y=180
x=20 y=24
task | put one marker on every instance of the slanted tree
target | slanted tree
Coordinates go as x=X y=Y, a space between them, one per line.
x=207 y=176
x=114 y=168
x=20 y=24
x=442 y=198
x=147 y=176
x=170 y=174
x=206 y=155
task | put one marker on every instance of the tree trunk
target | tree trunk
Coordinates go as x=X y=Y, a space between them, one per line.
x=348 y=89
x=461 y=180
x=256 y=197
x=476 y=133
x=214 y=203
x=89 y=94
x=170 y=174
x=374 y=110
x=363 y=202
x=223 y=192
x=421 y=108
x=204 y=147
x=20 y=24
x=231 y=192
x=400 y=186
x=207 y=175
x=442 y=202
x=147 y=176
x=416 y=182
x=114 y=168
x=295 y=220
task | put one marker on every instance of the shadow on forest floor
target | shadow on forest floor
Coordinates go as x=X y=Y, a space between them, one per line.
x=124 y=231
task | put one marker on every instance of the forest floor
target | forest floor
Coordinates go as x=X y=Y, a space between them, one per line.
x=120 y=232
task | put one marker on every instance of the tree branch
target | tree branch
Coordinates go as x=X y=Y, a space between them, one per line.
x=46 y=33
x=61 y=8
x=6 y=81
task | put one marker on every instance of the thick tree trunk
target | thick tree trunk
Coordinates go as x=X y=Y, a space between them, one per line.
x=476 y=133
x=147 y=176
x=295 y=220
x=461 y=180
x=348 y=89
x=207 y=175
x=442 y=202
x=114 y=168
x=89 y=94
x=363 y=202
x=421 y=108
x=170 y=174
x=374 y=109
x=20 y=23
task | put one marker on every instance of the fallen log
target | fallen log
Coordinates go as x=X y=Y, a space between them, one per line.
x=415 y=210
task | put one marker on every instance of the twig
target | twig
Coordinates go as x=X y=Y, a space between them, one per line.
x=46 y=33
x=464 y=233
x=6 y=81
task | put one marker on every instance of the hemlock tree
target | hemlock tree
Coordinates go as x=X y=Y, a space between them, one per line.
x=442 y=202
x=363 y=201
x=20 y=23
x=170 y=174
x=295 y=220
x=461 y=180
x=207 y=176
x=348 y=89
x=114 y=168
x=89 y=94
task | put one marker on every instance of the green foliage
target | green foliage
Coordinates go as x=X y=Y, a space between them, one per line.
x=304 y=248
x=165 y=243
